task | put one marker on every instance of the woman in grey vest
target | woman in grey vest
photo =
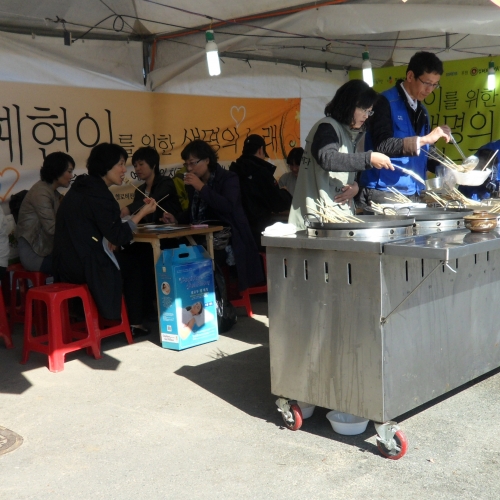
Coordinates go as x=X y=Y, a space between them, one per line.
x=330 y=161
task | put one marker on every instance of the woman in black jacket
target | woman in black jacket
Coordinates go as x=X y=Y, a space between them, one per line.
x=214 y=194
x=89 y=229
x=146 y=162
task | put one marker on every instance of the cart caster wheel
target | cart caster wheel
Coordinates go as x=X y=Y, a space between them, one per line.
x=293 y=421
x=400 y=449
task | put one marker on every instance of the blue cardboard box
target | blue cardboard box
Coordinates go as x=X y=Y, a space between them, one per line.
x=186 y=297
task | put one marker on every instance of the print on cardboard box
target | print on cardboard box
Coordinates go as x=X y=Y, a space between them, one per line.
x=186 y=297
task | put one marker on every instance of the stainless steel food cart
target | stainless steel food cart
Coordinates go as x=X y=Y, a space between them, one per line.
x=376 y=325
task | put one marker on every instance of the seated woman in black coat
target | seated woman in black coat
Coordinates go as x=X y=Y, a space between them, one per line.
x=146 y=162
x=89 y=228
x=214 y=194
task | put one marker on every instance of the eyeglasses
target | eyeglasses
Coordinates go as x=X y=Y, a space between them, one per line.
x=433 y=86
x=191 y=164
x=367 y=112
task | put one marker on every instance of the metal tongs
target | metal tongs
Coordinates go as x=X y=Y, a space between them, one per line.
x=410 y=173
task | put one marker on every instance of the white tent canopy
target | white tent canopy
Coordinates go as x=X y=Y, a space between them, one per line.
x=268 y=49
x=331 y=33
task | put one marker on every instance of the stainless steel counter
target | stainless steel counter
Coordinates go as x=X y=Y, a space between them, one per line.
x=444 y=245
x=377 y=327
x=301 y=240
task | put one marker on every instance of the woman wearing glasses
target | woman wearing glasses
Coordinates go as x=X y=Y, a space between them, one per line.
x=330 y=161
x=401 y=129
x=214 y=195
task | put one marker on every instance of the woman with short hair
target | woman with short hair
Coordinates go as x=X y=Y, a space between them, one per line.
x=146 y=163
x=37 y=215
x=89 y=229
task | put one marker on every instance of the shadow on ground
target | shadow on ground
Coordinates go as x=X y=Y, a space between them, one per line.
x=12 y=379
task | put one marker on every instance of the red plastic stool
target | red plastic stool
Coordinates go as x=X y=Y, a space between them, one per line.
x=244 y=301
x=262 y=288
x=105 y=327
x=4 y=324
x=21 y=276
x=60 y=338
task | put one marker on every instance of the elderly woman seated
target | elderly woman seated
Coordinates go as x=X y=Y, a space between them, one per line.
x=37 y=215
x=89 y=229
x=214 y=195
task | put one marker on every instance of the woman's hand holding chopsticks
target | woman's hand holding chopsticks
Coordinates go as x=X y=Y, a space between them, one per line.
x=128 y=181
x=148 y=208
x=168 y=218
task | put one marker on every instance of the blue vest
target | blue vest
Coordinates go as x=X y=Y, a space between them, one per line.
x=379 y=179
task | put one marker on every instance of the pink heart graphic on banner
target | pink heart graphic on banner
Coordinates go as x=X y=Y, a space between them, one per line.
x=8 y=179
x=238 y=114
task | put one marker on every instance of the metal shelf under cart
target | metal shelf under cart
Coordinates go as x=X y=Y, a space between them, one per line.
x=377 y=326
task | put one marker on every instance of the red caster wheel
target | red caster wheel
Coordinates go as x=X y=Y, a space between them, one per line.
x=399 y=450
x=293 y=418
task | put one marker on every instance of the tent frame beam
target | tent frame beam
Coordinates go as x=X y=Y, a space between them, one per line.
x=303 y=65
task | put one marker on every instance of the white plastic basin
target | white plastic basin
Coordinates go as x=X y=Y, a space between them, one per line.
x=473 y=178
x=347 y=424
x=306 y=409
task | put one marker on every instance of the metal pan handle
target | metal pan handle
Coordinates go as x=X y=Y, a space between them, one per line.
x=398 y=211
x=449 y=204
x=307 y=222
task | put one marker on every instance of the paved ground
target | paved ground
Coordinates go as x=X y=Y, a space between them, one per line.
x=145 y=422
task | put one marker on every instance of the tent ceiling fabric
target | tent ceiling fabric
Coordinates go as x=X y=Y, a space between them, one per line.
x=281 y=30
x=154 y=15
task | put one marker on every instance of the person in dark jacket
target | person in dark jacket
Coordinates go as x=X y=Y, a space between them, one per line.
x=261 y=195
x=400 y=129
x=146 y=162
x=488 y=156
x=288 y=180
x=214 y=194
x=89 y=228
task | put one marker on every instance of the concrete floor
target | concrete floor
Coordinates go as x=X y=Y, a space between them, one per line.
x=145 y=422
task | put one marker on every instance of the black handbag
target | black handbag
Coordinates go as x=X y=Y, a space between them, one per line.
x=221 y=238
x=226 y=312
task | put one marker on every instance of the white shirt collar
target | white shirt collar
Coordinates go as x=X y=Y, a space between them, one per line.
x=412 y=102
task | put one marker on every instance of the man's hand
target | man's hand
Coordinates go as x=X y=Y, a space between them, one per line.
x=436 y=134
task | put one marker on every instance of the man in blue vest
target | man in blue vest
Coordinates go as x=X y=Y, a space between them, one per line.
x=400 y=129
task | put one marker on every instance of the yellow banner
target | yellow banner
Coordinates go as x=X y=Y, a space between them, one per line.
x=36 y=120
x=462 y=101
